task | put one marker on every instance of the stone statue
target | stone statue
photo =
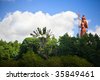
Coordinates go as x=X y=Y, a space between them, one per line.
x=83 y=26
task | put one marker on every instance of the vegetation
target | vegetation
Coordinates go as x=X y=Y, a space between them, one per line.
x=44 y=50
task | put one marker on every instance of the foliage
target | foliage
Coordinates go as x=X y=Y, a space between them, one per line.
x=51 y=46
x=44 y=36
x=9 y=63
x=86 y=47
x=30 y=59
x=8 y=50
x=75 y=61
x=67 y=45
x=29 y=44
x=44 y=50
x=54 y=62
x=68 y=61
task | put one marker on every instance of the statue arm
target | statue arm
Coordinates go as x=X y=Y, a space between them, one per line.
x=86 y=24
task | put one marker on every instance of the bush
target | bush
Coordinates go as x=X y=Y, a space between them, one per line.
x=30 y=59
x=75 y=61
x=54 y=62
x=67 y=61
x=8 y=63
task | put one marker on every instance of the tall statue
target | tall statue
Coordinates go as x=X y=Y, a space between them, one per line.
x=83 y=25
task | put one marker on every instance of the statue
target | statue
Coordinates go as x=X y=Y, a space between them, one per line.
x=83 y=26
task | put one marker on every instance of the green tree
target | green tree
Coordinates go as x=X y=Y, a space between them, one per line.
x=68 y=45
x=30 y=59
x=29 y=44
x=86 y=47
x=54 y=61
x=51 y=47
x=75 y=61
x=8 y=49
x=13 y=48
x=43 y=35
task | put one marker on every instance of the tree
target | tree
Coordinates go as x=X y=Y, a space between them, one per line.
x=29 y=44
x=30 y=59
x=75 y=61
x=8 y=49
x=88 y=48
x=51 y=47
x=43 y=35
x=67 y=45
x=13 y=48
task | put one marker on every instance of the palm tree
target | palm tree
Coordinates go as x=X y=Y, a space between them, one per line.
x=43 y=35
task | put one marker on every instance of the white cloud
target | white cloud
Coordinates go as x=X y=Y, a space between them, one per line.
x=18 y=25
x=97 y=30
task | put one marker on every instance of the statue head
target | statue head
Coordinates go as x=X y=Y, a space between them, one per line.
x=83 y=17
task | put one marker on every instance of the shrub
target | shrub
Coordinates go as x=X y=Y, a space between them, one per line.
x=54 y=62
x=75 y=61
x=30 y=59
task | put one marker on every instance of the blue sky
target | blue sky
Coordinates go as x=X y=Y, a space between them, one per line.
x=90 y=8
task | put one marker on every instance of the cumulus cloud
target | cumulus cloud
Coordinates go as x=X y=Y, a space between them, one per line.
x=97 y=30
x=18 y=25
